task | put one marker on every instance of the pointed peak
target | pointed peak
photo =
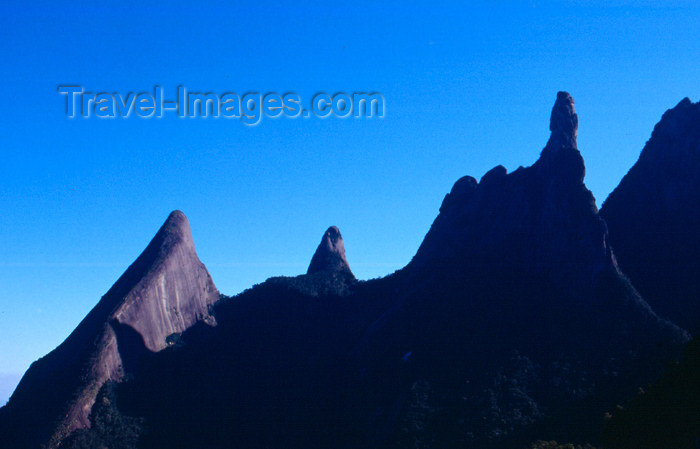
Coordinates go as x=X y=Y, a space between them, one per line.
x=330 y=254
x=176 y=223
x=560 y=157
x=173 y=234
x=563 y=123
x=684 y=103
x=175 y=229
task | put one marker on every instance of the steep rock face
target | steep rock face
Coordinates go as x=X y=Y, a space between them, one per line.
x=164 y=292
x=174 y=294
x=654 y=217
x=330 y=254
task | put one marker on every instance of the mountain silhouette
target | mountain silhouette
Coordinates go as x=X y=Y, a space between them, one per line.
x=515 y=313
x=513 y=322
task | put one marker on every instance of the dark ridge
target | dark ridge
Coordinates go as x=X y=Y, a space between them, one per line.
x=654 y=216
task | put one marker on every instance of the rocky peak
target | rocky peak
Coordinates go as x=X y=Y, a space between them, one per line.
x=676 y=121
x=330 y=254
x=172 y=276
x=460 y=193
x=173 y=236
x=164 y=292
x=546 y=201
x=177 y=228
x=560 y=158
x=563 y=123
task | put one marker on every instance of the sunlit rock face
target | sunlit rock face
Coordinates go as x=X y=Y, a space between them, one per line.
x=175 y=292
x=164 y=292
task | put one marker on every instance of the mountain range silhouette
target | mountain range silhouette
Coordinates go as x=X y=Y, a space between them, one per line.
x=525 y=314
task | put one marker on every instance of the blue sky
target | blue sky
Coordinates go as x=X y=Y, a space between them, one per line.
x=466 y=88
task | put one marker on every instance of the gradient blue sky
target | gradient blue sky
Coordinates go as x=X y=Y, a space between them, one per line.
x=466 y=88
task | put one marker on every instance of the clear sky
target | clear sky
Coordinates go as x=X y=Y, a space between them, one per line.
x=466 y=88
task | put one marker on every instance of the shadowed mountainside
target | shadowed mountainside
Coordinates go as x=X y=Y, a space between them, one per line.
x=654 y=218
x=515 y=313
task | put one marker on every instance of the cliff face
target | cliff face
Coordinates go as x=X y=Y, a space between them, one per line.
x=654 y=217
x=164 y=292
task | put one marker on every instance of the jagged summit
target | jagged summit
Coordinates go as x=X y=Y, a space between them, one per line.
x=521 y=262
x=512 y=322
x=548 y=200
x=330 y=254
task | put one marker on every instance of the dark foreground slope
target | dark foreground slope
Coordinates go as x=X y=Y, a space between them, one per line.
x=664 y=416
x=165 y=291
x=512 y=323
x=654 y=218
